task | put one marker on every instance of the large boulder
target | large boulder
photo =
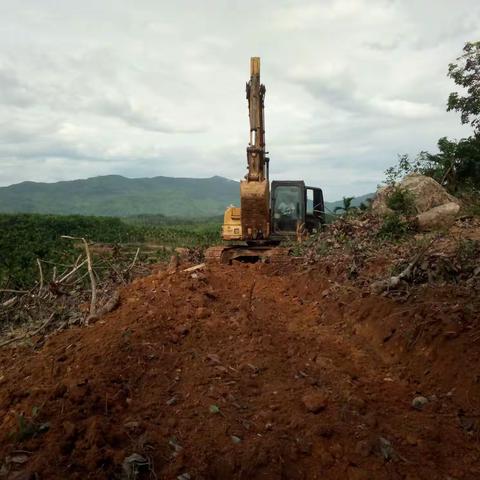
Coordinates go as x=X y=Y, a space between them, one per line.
x=438 y=217
x=434 y=206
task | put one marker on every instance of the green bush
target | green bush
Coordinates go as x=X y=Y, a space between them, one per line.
x=401 y=201
x=394 y=227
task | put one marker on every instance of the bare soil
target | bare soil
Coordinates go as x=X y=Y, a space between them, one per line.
x=251 y=371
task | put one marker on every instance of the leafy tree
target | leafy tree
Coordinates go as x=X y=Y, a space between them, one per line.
x=456 y=166
x=466 y=73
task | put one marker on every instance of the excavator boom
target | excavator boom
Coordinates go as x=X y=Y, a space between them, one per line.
x=256 y=146
x=254 y=190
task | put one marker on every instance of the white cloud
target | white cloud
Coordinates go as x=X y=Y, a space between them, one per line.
x=157 y=88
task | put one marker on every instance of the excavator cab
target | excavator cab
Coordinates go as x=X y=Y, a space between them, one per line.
x=296 y=209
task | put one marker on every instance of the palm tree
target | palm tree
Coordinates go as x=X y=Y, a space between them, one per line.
x=347 y=205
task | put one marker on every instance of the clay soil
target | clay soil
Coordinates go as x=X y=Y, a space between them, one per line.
x=250 y=371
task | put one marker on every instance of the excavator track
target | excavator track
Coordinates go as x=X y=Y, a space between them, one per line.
x=266 y=254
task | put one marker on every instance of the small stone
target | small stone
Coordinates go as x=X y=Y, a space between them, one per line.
x=171 y=401
x=419 y=402
x=235 y=439
x=315 y=402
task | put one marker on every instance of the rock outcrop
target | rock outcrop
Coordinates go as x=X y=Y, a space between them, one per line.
x=434 y=206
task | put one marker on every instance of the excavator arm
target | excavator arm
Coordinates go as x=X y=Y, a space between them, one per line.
x=254 y=190
x=256 y=147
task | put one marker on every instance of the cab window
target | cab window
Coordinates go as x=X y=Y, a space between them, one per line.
x=286 y=210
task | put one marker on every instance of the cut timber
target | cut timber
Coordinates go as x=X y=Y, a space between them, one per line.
x=267 y=254
x=195 y=267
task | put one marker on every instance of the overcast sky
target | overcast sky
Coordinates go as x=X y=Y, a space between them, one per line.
x=146 y=88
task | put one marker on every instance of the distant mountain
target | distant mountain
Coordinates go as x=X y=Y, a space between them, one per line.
x=114 y=195
x=330 y=206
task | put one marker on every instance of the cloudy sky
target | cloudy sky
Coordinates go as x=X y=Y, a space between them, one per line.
x=144 y=88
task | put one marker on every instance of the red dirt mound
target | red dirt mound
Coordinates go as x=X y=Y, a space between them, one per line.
x=249 y=371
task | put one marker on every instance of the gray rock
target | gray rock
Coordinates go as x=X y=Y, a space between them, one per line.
x=419 y=402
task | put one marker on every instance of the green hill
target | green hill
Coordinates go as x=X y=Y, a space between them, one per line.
x=117 y=196
x=114 y=195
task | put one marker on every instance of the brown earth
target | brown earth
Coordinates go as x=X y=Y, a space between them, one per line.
x=251 y=371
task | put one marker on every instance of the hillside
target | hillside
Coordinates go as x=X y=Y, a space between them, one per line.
x=292 y=370
x=114 y=195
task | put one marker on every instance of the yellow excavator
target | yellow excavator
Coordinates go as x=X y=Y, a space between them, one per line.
x=267 y=215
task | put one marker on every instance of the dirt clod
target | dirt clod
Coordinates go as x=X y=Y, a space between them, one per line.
x=315 y=402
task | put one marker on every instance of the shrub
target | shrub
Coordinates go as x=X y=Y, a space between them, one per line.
x=401 y=201
x=394 y=227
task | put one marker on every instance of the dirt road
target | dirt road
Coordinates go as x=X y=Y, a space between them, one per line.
x=249 y=372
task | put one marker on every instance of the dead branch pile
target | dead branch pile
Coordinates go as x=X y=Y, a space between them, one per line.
x=458 y=265
x=355 y=234
x=75 y=294
x=352 y=247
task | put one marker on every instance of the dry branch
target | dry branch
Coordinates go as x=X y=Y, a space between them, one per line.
x=134 y=260
x=67 y=296
x=28 y=334
x=69 y=274
x=195 y=267
x=111 y=305
x=93 y=282
x=40 y=270
x=394 y=281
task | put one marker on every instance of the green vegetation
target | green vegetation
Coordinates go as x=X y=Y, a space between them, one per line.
x=394 y=227
x=150 y=201
x=456 y=166
x=26 y=237
x=117 y=196
x=465 y=73
x=401 y=201
x=347 y=206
